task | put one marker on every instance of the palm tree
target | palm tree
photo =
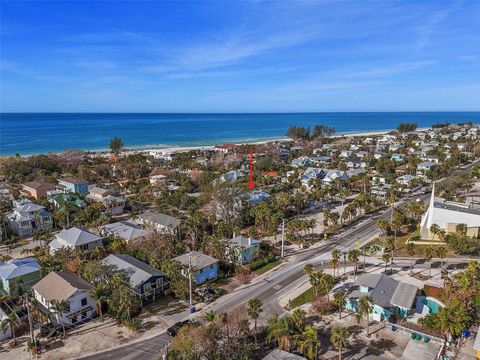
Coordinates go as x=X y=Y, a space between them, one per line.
x=441 y=251
x=308 y=269
x=339 y=339
x=354 y=257
x=386 y=259
x=10 y=321
x=411 y=253
x=254 y=308
x=434 y=229
x=60 y=308
x=429 y=253
x=340 y=300
x=390 y=245
x=278 y=331
x=365 y=307
x=308 y=342
x=298 y=319
x=336 y=254
x=99 y=294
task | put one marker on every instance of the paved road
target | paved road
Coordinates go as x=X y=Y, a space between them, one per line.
x=152 y=348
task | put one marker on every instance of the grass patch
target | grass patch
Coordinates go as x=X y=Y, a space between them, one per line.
x=263 y=269
x=303 y=298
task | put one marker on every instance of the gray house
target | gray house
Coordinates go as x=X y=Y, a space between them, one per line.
x=158 y=221
x=28 y=217
x=75 y=238
x=145 y=280
x=126 y=230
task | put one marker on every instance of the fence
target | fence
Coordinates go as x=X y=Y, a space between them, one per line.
x=418 y=334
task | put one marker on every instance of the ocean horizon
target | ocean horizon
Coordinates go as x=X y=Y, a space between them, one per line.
x=35 y=133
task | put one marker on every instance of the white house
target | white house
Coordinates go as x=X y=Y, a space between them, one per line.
x=447 y=215
x=28 y=217
x=60 y=286
x=112 y=202
x=158 y=221
x=75 y=238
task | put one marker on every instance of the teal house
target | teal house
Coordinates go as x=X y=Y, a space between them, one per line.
x=203 y=267
x=389 y=296
x=18 y=275
x=73 y=185
x=242 y=250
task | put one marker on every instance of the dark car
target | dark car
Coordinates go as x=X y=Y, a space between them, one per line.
x=173 y=330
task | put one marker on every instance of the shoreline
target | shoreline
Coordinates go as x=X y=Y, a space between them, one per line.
x=172 y=148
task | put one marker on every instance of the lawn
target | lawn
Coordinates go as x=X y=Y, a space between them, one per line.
x=267 y=266
x=301 y=299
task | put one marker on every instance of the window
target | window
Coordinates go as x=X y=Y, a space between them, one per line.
x=200 y=271
x=84 y=302
x=211 y=266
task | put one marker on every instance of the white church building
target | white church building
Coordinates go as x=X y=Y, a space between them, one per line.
x=447 y=215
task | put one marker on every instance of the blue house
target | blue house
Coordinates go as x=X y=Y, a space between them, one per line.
x=204 y=267
x=389 y=296
x=74 y=185
x=145 y=280
x=241 y=250
x=18 y=275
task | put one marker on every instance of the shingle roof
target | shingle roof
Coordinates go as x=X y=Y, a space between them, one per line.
x=60 y=286
x=386 y=291
x=404 y=295
x=18 y=267
x=199 y=260
x=137 y=271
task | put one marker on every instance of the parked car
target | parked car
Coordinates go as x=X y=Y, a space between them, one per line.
x=173 y=330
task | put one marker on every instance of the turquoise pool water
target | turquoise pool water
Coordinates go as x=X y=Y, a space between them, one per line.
x=433 y=305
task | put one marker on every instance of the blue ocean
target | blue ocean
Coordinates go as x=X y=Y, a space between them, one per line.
x=32 y=133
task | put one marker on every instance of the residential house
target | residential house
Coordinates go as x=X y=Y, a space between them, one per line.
x=204 y=267
x=406 y=180
x=398 y=157
x=27 y=217
x=126 y=230
x=424 y=167
x=226 y=148
x=74 y=185
x=256 y=197
x=60 y=286
x=302 y=161
x=64 y=201
x=447 y=215
x=18 y=273
x=389 y=296
x=231 y=177
x=145 y=280
x=381 y=191
x=322 y=160
x=159 y=222
x=242 y=250
x=75 y=238
x=109 y=198
x=37 y=189
x=158 y=179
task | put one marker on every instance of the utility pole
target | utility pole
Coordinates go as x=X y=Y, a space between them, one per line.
x=30 y=322
x=190 y=280
x=283 y=238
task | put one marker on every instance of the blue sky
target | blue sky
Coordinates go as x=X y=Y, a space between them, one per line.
x=239 y=56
